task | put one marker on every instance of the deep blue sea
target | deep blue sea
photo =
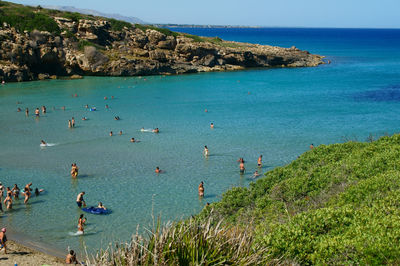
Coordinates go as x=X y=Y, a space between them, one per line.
x=274 y=112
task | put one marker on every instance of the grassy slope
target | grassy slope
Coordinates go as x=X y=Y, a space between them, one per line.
x=334 y=204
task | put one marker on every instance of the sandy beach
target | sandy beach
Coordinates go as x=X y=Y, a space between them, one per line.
x=22 y=255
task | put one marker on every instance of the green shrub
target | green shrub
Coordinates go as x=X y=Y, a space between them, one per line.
x=118 y=25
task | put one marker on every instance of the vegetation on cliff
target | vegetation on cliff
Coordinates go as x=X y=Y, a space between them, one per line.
x=335 y=204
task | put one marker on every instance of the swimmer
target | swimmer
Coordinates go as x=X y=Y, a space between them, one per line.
x=63 y=108
x=259 y=161
x=18 y=109
x=256 y=174
x=158 y=170
x=27 y=112
x=80 y=201
x=111 y=133
x=3 y=82
x=212 y=125
x=37 y=191
x=101 y=206
x=311 y=146
x=112 y=97
x=27 y=192
x=81 y=223
x=74 y=170
x=201 y=189
x=142 y=129
x=76 y=95
x=205 y=110
x=69 y=124
x=116 y=118
x=106 y=106
x=43 y=143
x=156 y=130
x=44 y=109
x=87 y=106
x=240 y=160
x=37 y=112
x=205 y=152
x=105 y=97
x=84 y=118
x=120 y=133
x=133 y=140
x=73 y=122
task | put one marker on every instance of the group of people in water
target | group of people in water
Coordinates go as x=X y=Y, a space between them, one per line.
x=81 y=203
x=13 y=194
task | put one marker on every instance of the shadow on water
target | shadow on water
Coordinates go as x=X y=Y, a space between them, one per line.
x=389 y=93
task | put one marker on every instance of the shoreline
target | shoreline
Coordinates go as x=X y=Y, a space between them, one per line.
x=27 y=254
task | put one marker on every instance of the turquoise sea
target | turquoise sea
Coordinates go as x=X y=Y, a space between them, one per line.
x=274 y=112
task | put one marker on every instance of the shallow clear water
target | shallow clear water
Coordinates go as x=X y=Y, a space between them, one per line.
x=277 y=113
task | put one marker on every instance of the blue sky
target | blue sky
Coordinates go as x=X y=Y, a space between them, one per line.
x=284 y=13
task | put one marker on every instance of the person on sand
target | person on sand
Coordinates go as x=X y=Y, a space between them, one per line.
x=205 y=151
x=201 y=189
x=311 y=146
x=27 y=112
x=71 y=258
x=8 y=202
x=74 y=170
x=16 y=191
x=101 y=206
x=81 y=223
x=212 y=125
x=3 y=240
x=259 y=161
x=37 y=112
x=73 y=122
x=27 y=192
x=79 y=200
x=158 y=170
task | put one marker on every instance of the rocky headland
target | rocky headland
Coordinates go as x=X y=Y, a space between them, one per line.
x=103 y=47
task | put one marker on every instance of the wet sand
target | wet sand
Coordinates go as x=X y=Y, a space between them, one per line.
x=22 y=255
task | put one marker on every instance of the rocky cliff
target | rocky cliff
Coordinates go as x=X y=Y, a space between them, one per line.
x=93 y=47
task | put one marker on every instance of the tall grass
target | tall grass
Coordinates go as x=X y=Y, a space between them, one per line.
x=185 y=243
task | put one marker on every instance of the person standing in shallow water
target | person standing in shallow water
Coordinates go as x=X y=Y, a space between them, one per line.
x=201 y=189
x=27 y=112
x=73 y=122
x=259 y=161
x=81 y=223
x=205 y=152
x=311 y=146
x=79 y=200
x=27 y=192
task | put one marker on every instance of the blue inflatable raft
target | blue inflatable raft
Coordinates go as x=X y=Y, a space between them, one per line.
x=95 y=210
